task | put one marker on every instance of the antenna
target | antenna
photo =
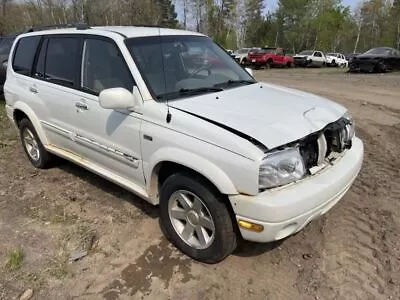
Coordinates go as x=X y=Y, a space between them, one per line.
x=169 y=116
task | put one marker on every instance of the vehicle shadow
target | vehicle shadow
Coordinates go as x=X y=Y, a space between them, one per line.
x=250 y=249
x=108 y=187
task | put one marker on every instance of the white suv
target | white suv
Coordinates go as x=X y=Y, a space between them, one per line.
x=170 y=116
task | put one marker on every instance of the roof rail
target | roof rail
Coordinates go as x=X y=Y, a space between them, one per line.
x=56 y=26
x=150 y=25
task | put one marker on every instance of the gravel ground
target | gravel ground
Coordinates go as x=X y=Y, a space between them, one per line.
x=353 y=252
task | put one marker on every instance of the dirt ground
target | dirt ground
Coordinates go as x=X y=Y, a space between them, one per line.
x=353 y=252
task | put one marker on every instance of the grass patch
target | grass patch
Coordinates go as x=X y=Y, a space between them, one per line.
x=14 y=259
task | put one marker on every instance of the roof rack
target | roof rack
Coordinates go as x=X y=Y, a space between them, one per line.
x=150 y=25
x=56 y=26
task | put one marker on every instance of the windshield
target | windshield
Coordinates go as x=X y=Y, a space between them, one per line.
x=5 y=45
x=306 y=53
x=379 y=51
x=173 y=66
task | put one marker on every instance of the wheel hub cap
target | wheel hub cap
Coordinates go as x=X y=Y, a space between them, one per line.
x=191 y=219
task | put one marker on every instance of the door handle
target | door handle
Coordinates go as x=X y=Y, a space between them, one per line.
x=33 y=89
x=81 y=105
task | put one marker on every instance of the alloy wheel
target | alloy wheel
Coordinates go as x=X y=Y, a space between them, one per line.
x=191 y=219
x=31 y=145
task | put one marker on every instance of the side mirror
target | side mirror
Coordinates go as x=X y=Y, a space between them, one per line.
x=250 y=71
x=119 y=98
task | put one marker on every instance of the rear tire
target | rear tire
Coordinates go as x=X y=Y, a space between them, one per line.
x=196 y=219
x=33 y=147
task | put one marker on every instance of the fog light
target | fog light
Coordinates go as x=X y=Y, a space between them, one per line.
x=250 y=226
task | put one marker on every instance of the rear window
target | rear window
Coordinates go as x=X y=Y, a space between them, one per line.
x=25 y=54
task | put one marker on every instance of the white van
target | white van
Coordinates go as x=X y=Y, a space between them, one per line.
x=224 y=156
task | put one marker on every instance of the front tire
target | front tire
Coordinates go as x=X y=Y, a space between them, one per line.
x=32 y=145
x=195 y=218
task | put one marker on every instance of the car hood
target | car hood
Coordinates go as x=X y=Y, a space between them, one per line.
x=369 y=56
x=240 y=54
x=271 y=114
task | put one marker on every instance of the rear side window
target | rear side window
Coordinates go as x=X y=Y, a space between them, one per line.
x=103 y=67
x=25 y=55
x=61 y=60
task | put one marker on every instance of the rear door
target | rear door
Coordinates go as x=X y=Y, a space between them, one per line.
x=54 y=84
x=109 y=138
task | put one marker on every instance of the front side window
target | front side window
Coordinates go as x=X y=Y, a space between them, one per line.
x=103 y=67
x=25 y=54
x=318 y=54
x=61 y=60
x=179 y=66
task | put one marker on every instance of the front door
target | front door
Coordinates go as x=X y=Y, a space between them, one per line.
x=109 y=138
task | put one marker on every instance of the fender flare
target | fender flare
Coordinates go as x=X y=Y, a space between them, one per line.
x=33 y=118
x=189 y=160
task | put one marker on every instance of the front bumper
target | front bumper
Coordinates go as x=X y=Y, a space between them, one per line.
x=302 y=62
x=286 y=210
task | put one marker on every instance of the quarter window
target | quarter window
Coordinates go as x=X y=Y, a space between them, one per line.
x=25 y=54
x=61 y=60
x=103 y=67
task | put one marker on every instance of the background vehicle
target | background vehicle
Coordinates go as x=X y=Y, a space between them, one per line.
x=241 y=55
x=5 y=47
x=336 y=59
x=350 y=56
x=269 y=57
x=310 y=58
x=382 y=59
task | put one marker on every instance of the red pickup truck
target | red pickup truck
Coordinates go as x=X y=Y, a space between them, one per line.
x=269 y=57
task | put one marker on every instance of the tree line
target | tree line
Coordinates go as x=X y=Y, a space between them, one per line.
x=295 y=25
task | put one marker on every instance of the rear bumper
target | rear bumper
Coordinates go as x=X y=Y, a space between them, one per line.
x=286 y=210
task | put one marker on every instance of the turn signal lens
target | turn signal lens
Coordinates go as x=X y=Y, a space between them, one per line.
x=250 y=226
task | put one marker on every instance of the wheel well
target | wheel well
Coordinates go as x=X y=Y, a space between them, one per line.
x=19 y=115
x=269 y=60
x=165 y=169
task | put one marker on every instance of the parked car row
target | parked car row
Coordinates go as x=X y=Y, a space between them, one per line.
x=381 y=59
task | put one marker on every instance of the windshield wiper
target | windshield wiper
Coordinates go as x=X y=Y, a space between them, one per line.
x=235 y=82
x=189 y=92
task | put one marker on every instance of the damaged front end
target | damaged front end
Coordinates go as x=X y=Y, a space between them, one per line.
x=307 y=156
